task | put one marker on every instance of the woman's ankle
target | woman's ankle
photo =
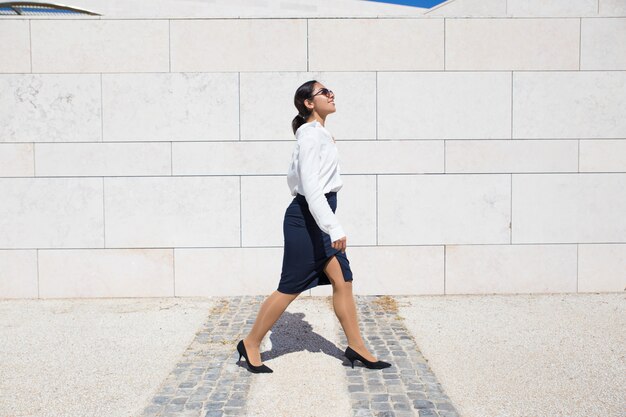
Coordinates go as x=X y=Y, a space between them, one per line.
x=251 y=343
x=358 y=345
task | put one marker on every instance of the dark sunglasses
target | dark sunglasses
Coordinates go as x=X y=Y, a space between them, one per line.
x=324 y=91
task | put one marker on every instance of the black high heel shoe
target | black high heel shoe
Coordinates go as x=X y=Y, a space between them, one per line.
x=241 y=348
x=353 y=355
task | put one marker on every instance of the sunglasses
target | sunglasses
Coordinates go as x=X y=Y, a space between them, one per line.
x=324 y=91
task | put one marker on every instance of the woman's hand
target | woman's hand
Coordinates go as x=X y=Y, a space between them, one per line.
x=340 y=244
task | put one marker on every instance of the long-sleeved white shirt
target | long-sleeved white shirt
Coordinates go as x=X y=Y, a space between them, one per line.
x=314 y=171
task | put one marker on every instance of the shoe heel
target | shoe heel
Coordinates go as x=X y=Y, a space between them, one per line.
x=241 y=348
x=353 y=355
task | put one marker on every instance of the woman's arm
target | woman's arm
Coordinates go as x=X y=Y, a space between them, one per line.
x=309 y=159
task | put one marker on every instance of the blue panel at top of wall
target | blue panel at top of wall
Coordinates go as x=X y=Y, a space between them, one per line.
x=427 y=4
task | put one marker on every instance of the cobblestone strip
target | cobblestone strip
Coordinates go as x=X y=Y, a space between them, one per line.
x=208 y=381
x=408 y=387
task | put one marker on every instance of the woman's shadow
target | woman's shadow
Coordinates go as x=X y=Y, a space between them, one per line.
x=291 y=333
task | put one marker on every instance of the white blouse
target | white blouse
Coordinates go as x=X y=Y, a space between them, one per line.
x=314 y=171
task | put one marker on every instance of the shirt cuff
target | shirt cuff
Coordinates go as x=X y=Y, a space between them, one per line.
x=336 y=233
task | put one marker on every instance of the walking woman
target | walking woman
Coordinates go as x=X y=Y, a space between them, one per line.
x=315 y=243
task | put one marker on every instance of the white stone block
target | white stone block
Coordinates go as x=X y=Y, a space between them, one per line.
x=355 y=103
x=469 y=8
x=356 y=209
x=103 y=159
x=375 y=44
x=394 y=270
x=612 y=8
x=569 y=105
x=510 y=269
x=231 y=158
x=170 y=107
x=512 y=44
x=444 y=209
x=51 y=213
x=320 y=291
x=100 y=45
x=15 y=46
x=444 y=105
x=602 y=268
x=172 y=211
x=264 y=200
x=50 y=108
x=208 y=272
x=18 y=274
x=603 y=44
x=500 y=156
x=569 y=208
x=213 y=45
x=603 y=155
x=391 y=156
x=76 y=273
x=16 y=160
x=552 y=8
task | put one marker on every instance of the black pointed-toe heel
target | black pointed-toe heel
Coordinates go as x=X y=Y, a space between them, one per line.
x=241 y=348
x=353 y=355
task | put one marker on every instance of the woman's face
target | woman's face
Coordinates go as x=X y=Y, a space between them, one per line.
x=323 y=104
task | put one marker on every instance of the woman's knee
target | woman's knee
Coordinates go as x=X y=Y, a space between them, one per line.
x=335 y=275
x=343 y=287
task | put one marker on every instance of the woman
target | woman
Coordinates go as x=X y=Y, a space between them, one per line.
x=309 y=227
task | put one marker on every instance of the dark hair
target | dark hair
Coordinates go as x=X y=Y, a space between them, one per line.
x=302 y=93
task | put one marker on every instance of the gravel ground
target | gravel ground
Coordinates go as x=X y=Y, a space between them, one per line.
x=525 y=355
x=90 y=357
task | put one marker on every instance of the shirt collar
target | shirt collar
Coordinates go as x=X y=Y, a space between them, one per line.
x=315 y=123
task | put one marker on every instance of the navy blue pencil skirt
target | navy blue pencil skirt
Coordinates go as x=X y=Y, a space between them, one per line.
x=307 y=249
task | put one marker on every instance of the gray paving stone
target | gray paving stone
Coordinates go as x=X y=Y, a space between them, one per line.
x=218 y=396
x=193 y=406
x=235 y=403
x=395 y=388
x=381 y=406
x=404 y=413
x=356 y=388
x=360 y=404
x=362 y=412
x=360 y=396
x=423 y=404
x=380 y=397
x=161 y=399
x=404 y=406
x=448 y=413
x=174 y=407
x=179 y=400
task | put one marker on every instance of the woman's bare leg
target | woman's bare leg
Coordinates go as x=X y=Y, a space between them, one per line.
x=345 y=308
x=270 y=311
